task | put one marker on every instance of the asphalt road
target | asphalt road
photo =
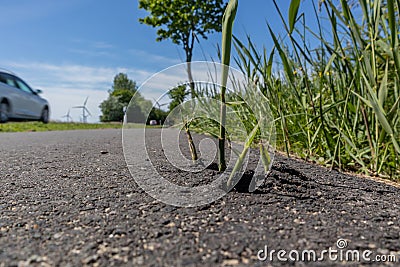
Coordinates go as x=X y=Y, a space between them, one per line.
x=68 y=199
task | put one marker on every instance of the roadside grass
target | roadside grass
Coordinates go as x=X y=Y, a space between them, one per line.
x=337 y=104
x=66 y=126
x=54 y=126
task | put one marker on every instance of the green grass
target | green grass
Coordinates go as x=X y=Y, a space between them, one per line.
x=54 y=126
x=64 y=126
x=337 y=103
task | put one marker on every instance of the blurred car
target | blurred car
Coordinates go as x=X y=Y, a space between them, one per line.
x=153 y=122
x=18 y=101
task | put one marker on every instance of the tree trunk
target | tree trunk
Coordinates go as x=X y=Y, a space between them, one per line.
x=190 y=75
x=188 y=50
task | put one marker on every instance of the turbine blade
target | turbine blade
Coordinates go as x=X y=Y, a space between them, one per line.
x=88 y=111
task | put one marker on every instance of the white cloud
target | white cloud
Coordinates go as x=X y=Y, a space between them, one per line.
x=91 y=53
x=66 y=86
x=150 y=57
x=92 y=48
x=102 y=45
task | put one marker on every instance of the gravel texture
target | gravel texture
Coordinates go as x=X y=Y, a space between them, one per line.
x=68 y=199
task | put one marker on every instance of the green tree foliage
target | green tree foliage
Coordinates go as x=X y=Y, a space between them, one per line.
x=123 y=88
x=177 y=95
x=184 y=22
x=121 y=93
x=112 y=110
x=157 y=114
x=119 y=100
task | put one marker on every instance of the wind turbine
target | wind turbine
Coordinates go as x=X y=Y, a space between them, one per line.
x=158 y=104
x=69 y=118
x=85 y=111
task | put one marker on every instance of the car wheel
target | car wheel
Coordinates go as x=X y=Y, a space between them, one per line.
x=3 y=112
x=45 y=115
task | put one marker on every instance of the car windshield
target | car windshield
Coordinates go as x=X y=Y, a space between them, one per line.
x=7 y=79
x=23 y=86
x=16 y=82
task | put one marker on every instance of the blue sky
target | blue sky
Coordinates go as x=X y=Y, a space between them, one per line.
x=73 y=49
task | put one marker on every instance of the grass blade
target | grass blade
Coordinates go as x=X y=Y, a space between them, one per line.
x=293 y=10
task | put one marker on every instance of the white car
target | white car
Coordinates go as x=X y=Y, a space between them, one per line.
x=18 y=101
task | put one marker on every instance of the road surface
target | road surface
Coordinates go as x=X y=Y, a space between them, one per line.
x=68 y=199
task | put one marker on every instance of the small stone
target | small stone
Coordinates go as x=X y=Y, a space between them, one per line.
x=383 y=251
x=171 y=224
x=148 y=247
x=298 y=221
x=37 y=235
x=245 y=261
x=57 y=235
x=230 y=262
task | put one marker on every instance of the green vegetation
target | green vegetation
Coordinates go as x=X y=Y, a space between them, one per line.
x=177 y=96
x=123 y=89
x=334 y=91
x=336 y=103
x=227 y=26
x=121 y=93
x=54 y=126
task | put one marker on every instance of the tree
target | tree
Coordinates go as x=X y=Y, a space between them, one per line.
x=123 y=88
x=183 y=22
x=157 y=114
x=119 y=102
x=121 y=94
x=178 y=95
x=112 y=110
